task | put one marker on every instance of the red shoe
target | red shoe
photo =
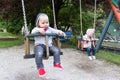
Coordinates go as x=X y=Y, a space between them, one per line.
x=41 y=72
x=58 y=66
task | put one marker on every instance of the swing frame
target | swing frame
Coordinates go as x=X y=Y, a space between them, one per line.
x=27 y=36
x=81 y=43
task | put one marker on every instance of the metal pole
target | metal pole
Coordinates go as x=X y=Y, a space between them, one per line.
x=104 y=30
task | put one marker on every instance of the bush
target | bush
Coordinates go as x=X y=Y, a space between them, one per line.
x=73 y=41
x=15 y=26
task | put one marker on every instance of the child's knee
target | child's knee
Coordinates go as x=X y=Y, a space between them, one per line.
x=39 y=54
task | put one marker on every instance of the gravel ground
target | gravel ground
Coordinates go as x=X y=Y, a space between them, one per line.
x=76 y=65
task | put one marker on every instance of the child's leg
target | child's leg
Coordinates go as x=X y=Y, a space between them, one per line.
x=56 y=54
x=93 y=50
x=88 y=51
x=39 y=50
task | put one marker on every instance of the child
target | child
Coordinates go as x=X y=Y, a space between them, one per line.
x=89 y=43
x=42 y=26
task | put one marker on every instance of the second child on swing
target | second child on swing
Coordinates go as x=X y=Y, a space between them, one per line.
x=89 y=43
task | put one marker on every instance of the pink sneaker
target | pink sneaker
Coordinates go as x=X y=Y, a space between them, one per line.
x=41 y=72
x=58 y=66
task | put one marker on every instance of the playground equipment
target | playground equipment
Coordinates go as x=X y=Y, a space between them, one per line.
x=47 y=54
x=80 y=39
x=29 y=37
x=115 y=8
x=116 y=13
x=26 y=32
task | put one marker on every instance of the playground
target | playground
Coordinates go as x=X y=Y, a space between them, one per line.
x=78 y=67
x=18 y=61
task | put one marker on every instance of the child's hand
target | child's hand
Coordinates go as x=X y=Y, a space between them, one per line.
x=61 y=33
x=42 y=31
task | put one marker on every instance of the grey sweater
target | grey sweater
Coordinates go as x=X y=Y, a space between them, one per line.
x=41 y=39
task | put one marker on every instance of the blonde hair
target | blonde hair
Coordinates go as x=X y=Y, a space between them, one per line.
x=38 y=17
x=90 y=31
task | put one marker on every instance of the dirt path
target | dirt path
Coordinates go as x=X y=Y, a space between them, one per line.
x=76 y=67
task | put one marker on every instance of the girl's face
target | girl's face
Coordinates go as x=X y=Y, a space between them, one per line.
x=90 y=35
x=43 y=21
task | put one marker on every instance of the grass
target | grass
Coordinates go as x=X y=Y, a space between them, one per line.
x=10 y=43
x=6 y=44
x=104 y=55
x=109 y=56
x=2 y=34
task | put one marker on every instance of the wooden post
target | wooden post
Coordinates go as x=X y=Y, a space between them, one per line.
x=82 y=45
x=27 y=46
x=58 y=44
x=78 y=44
x=47 y=47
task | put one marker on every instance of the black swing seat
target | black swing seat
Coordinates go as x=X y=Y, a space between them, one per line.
x=44 y=56
x=29 y=38
x=81 y=43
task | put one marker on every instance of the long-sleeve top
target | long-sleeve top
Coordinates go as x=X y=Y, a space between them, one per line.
x=88 y=42
x=41 y=39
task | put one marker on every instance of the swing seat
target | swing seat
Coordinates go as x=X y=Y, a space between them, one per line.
x=81 y=43
x=46 y=54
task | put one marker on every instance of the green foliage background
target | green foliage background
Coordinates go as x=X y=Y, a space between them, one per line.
x=67 y=14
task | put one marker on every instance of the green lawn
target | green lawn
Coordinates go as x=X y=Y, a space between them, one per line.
x=109 y=56
x=2 y=34
x=10 y=43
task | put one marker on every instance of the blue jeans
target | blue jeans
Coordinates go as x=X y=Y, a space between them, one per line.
x=89 y=50
x=40 y=50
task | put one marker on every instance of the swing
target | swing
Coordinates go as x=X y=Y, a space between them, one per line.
x=29 y=37
x=80 y=39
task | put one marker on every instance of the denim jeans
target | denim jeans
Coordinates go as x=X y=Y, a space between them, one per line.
x=40 y=50
x=89 y=50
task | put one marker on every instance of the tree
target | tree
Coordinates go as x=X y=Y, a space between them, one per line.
x=67 y=12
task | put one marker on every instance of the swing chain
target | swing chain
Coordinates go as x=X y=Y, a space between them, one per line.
x=54 y=14
x=81 y=32
x=94 y=25
x=25 y=21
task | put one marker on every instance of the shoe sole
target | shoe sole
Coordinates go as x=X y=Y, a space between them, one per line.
x=42 y=75
x=58 y=68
